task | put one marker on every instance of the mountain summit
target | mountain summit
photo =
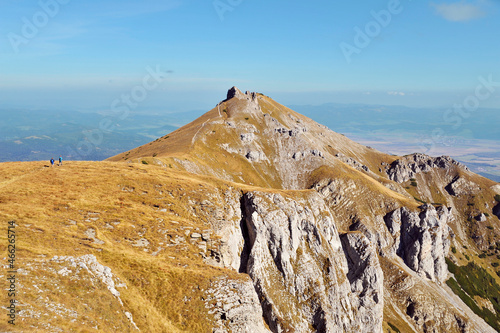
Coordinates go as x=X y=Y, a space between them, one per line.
x=249 y=138
x=254 y=218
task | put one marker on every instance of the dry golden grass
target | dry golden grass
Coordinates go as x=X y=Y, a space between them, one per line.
x=44 y=201
x=199 y=144
x=164 y=292
x=343 y=171
x=177 y=143
x=124 y=202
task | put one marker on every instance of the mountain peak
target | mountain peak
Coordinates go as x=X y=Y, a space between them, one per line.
x=234 y=92
x=249 y=138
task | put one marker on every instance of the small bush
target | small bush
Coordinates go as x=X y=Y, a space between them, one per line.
x=497 y=197
x=482 y=256
x=453 y=249
x=145 y=162
x=414 y=184
x=413 y=179
x=486 y=214
x=465 y=298
x=490 y=227
x=467 y=257
x=419 y=200
x=472 y=280
x=465 y=247
x=155 y=154
x=394 y=328
x=495 y=264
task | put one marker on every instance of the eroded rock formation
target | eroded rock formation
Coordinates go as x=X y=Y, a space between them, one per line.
x=404 y=169
x=421 y=240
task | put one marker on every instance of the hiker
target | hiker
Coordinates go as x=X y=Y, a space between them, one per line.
x=52 y=161
x=60 y=160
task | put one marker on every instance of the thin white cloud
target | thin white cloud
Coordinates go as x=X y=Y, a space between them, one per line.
x=135 y=8
x=459 y=11
x=396 y=93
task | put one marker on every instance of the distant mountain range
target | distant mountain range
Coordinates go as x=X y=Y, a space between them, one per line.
x=40 y=135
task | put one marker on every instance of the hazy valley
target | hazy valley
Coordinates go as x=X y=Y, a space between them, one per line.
x=38 y=135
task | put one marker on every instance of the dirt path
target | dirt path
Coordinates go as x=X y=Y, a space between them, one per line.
x=198 y=131
x=16 y=178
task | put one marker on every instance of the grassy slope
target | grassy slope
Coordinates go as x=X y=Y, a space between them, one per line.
x=43 y=200
x=200 y=141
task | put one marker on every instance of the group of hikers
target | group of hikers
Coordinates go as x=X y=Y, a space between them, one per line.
x=52 y=161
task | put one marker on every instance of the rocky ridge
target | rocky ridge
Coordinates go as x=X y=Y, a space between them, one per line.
x=404 y=169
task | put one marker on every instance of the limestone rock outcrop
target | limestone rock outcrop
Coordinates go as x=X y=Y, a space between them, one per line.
x=235 y=307
x=460 y=186
x=299 y=267
x=421 y=240
x=364 y=270
x=404 y=169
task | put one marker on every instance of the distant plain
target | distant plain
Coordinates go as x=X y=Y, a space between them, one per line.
x=27 y=135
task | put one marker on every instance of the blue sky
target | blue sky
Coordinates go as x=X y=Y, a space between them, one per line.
x=83 y=55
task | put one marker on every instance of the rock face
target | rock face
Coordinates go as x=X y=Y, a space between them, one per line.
x=404 y=169
x=352 y=162
x=460 y=186
x=364 y=270
x=236 y=93
x=235 y=306
x=421 y=240
x=299 y=266
x=496 y=210
x=481 y=218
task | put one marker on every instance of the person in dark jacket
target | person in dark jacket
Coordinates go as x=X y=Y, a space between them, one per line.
x=52 y=161
x=60 y=160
